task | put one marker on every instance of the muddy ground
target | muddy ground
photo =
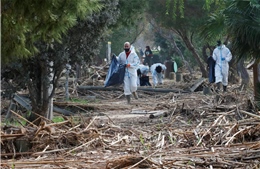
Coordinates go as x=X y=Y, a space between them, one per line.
x=175 y=129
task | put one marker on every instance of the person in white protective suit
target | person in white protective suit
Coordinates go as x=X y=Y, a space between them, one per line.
x=157 y=70
x=222 y=56
x=131 y=60
x=142 y=71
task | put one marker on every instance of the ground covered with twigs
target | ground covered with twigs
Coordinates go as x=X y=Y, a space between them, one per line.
x=159 y=130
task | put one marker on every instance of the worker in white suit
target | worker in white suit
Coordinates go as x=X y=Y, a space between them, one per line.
x=157 y=71
x=131 y=60
x=142 y=71
x=222 y=56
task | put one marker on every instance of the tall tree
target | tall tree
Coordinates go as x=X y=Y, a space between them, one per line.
x=26 y=22
x=182 y=17
x=243 y=25
x=240 y=20
x=129 y=25
x=80 y=43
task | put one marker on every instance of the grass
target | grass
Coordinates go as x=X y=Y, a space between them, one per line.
x=13 y=122
x=77 y=100
x=57 y=119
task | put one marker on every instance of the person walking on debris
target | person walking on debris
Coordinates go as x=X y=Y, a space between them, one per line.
x=222 y=56
x=131 y=60
x=148 y=55
x=157 y=71
x=142 y=73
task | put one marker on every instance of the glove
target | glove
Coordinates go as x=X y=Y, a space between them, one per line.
x=127 y=65
x=223 y=59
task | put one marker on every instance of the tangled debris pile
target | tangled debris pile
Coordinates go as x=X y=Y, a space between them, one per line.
x=197 y=131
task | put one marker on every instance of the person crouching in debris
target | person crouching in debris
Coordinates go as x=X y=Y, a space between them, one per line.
x=157 y=71
x=142 y=73
x=131 y=60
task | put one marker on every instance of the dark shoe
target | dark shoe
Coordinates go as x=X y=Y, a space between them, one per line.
x=135 y=95
x=128 y=99
x=224 y=88
x=218 y=86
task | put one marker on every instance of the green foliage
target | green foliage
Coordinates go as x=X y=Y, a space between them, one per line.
x=131 y=12
x=178 y=61
x=239 y=20
x=214 y=29
x=77 y=100
x=57 y=119
x=141 y=139
x=175 y=8
x=211 y=5
x=128 y=26
x=243 y=22
x=15 y=122
x=26 y=22
x=120 y=36
x=79 y=45
x=178 y=14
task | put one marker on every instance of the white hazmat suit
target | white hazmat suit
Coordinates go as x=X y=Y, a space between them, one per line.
x=130 y=80
x=222 y=56
x=144 y=69
x=157 y=77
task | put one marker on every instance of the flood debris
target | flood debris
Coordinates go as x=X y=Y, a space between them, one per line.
x=188 y=130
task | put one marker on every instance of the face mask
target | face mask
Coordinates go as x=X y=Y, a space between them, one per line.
x=127 y=50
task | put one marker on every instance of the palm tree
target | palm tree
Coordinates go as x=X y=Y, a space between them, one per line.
x=243 y=25
x=240 y=20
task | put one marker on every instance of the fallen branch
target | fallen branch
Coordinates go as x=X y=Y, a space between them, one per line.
x=250 y=114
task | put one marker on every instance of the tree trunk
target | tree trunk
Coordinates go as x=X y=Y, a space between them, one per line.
x=195 y=54
x=256 y=76
x=180 y=53
x=243 y=74
x=39 y=91
x=170 y=38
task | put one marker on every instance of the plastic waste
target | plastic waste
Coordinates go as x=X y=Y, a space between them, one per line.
x=115 y=74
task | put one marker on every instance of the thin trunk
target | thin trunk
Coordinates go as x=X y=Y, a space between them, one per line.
x=45 y=88
x=243 y=74
x=39 y=92
x=170 y=38
x=180 y=54
x=191 y=48
x=256 y=76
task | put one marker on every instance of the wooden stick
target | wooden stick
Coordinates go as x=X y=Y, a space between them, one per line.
x=23 y=118
x=234 y=136
x=215 y=122
x=43 y=162
x=42 y=151
x=144 y=158
x=91 y=141
x=250 y=114
x=158 y=114
x=46 y=152
x=89 y=124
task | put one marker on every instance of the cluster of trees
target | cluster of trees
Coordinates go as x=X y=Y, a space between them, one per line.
x=39 y=38
x=199 y=24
